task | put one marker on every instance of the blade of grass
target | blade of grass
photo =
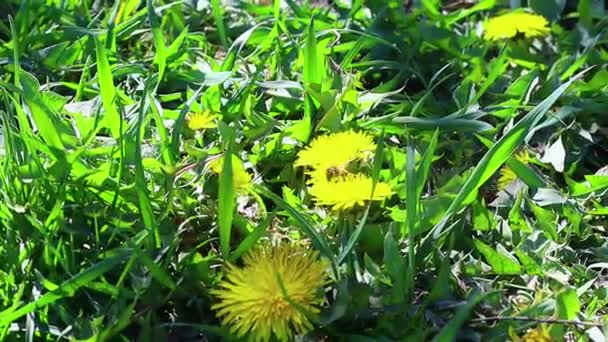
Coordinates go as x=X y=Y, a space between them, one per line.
x=412 y=204
x=425 y=165
x=451 y=330
x=354 y=237
x=523 y=171
x=46 y=120
x=176 y=133
x=136 y=134
x=313 y=62
x=160 y=50
x=251 y=239
x=218 y=15
x=107 y=90
x=226 y=191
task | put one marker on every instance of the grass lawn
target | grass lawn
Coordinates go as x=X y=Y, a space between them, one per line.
x=257 y=170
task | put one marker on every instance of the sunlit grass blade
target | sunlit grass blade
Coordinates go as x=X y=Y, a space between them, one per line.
x=412 y=204
x=314 y=68
x=47 y=120
x=523 y=171
x=226 y=192
x=354 y=237
x=160 y=50
x=424 y=169
x=218 y=14
x=107 y=91
x=136 y=134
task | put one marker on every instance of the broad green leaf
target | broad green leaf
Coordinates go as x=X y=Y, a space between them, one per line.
x=529 y=264
x=567 y=307
x=47 y=120
x=546 y=220
x=482 y=217
x=500 y=263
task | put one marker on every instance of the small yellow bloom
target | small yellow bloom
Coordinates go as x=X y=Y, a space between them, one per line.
x=336 y=150
x=540 y=334
x=241 y=177
x=345 y=192
x=510 y=24
x=507 y=175
x=201 y=120
x=272 y=293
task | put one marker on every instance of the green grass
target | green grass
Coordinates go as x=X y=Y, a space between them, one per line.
x=112 y=226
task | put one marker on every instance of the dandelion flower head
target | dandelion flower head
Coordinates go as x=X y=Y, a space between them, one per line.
x=510 y=24
x=539 y=334
x=507 y=175
x=241 y=177
x=201 y=120
x=336 y=150
x=272 y=293
x=346 y=192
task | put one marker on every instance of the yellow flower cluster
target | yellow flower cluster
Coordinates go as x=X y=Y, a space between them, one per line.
x=539 y=334
x=201 y=120
x=273 y=293
x=510 y=24
x=328 y=158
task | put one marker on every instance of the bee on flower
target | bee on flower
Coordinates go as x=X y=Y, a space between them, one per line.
x=332 y=153
x=333 y=182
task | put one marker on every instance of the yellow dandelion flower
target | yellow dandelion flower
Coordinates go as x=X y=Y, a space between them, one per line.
x=507 y=175
x=272 y=294
x=336 y=150
x=201 y=120
x=510 y=24
x=241 y=177
x=540 y=334
x=345 y=192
